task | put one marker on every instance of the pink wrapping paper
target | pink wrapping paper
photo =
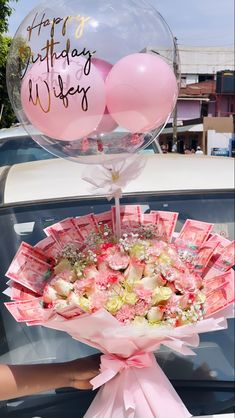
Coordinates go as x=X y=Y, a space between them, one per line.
x=138 y=392
x=133 y=387
x=131 y=383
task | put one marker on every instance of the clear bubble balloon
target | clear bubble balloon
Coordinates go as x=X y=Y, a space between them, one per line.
x=93 y=80
x=55 y=100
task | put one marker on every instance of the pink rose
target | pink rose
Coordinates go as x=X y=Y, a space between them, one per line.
x=143 y=293
x=160 y=280
x=134 y=271
x=126 y=313
x=141 y=308
x=173 y=304
x=118 y=261
x=171 y=274
x=105 y=279
x=83 y=285
x=90 y=271
x=98 y=300
x=186 y=283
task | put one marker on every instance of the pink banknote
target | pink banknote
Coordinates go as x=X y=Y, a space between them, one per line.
x=49 y=246
x=130 y=217
x=221 y=241
x=204 y=255
x=226 y=259
x=214 y=283
x=105 y=222
x=86 y=224
x=166 y=222
x=221 y=297
x=29 y=272
x=34 y=252
x=29 y=310
x=194 y=234
x=64 y=232
x=19 y=292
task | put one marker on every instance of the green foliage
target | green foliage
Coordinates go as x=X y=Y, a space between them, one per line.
x=8 y=116
x=5 y=12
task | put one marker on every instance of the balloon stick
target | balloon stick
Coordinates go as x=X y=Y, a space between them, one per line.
x=118 y=217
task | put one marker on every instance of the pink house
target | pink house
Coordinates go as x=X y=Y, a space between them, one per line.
x=196 y=101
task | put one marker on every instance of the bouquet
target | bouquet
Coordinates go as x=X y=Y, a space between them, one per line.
x=126 y=297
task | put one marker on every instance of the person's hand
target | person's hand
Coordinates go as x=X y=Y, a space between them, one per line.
x=82 y=370
x=25 y=380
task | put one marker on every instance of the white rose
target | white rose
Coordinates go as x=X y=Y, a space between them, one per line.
x=60 y=304
x=149 y=282
x=73 y=299
x=154 y=314
x=63 y=287
x=140 y=320
x=49 y=294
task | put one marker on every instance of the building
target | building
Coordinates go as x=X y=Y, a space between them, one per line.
x=202 y=63
x=207 y=89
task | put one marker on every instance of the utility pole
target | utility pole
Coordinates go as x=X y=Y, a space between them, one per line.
x=1 y=111
x=176 y=71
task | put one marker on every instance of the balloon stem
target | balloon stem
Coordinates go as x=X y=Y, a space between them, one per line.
x=118 y=217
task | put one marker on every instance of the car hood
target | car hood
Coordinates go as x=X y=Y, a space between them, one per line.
x=56 y=179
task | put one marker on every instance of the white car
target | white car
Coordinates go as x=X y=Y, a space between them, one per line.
x=36 y=194
x=16 y=146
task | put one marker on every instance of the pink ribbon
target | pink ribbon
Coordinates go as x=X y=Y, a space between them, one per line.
x=111 y=365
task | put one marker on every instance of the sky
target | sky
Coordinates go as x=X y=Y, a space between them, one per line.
x=193 y=22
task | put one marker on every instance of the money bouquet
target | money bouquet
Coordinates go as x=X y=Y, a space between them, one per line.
x=126 y=296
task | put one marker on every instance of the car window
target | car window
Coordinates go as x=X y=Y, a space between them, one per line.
x=214 y=361
x=153 y=148
x=20 y=150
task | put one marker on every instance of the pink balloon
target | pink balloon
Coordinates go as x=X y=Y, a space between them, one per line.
x=103 y=66
x=64 y=103
x=141 y=91
x=107 y=123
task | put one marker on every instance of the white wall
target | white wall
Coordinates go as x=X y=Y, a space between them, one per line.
x=217 y=140
x=191 y=78
x=205 y=60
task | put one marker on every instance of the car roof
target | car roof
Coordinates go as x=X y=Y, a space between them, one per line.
x=15 y=132
x=59 y=179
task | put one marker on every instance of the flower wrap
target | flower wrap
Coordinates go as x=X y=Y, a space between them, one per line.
x=127 y=297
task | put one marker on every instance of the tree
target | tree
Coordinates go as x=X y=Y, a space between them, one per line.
x=7 y=116
x=5 y=12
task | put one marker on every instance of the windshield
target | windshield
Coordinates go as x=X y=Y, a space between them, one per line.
x=214 y=362
x=23 y=149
